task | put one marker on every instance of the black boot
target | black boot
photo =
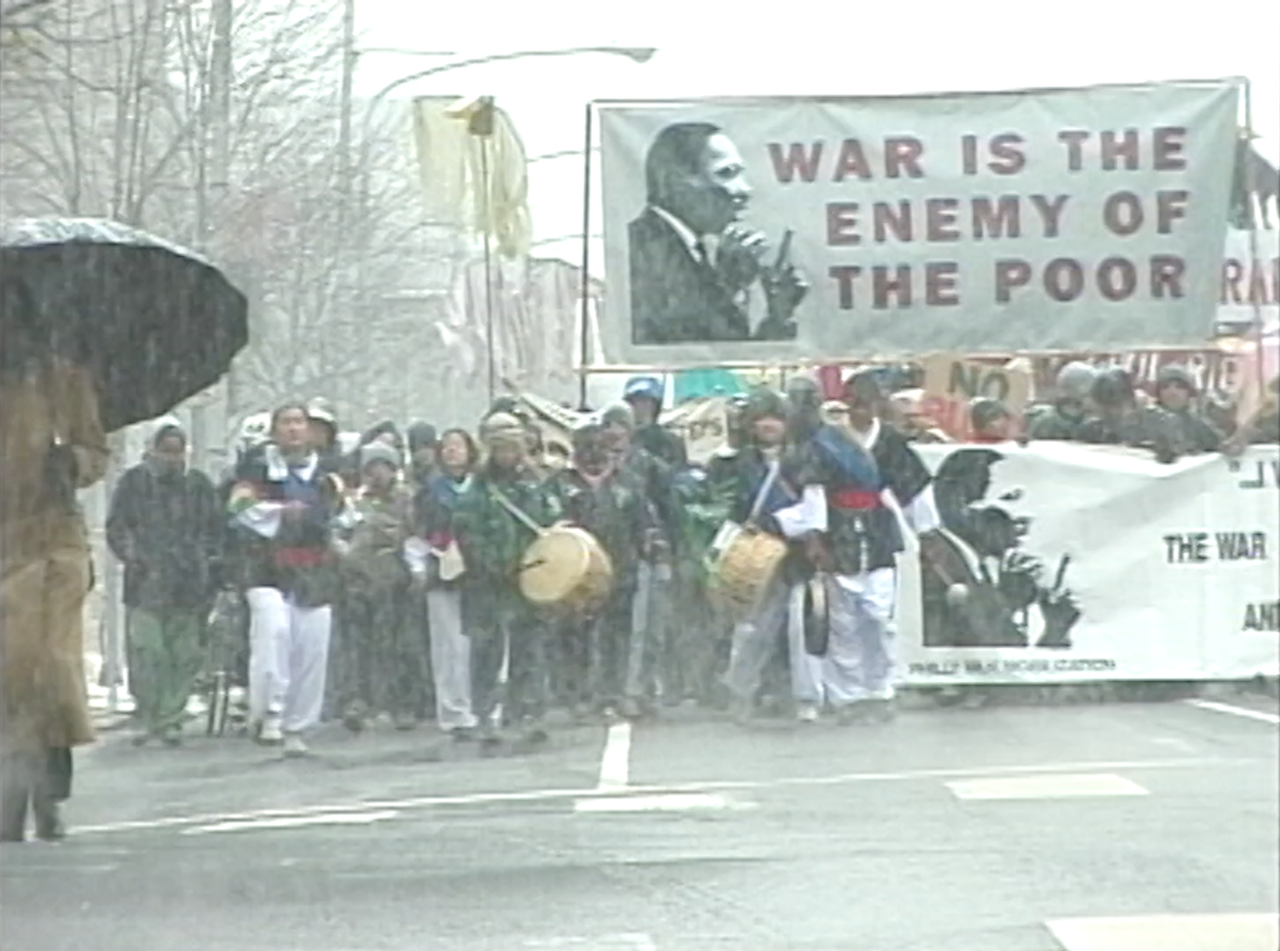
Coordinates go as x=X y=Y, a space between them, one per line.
x=13 y=813
x=49 y=826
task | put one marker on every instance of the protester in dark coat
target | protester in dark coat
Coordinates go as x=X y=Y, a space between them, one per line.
x=166 y=526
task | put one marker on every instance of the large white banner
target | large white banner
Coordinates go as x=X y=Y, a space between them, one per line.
x=770 y=229
x=1125 y=569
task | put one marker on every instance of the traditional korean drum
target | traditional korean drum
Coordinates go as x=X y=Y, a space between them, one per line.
x=566 y=570
x=744 y=561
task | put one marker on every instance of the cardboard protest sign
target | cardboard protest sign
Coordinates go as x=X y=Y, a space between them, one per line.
x=951 y=383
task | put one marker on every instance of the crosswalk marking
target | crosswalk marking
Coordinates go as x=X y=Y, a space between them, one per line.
x=1061 y=786
x=1239 y=932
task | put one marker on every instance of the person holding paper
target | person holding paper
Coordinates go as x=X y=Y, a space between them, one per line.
x=287 y=505
x=436 y=561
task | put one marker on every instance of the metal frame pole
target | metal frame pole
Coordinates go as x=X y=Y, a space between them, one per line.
x=584 y=329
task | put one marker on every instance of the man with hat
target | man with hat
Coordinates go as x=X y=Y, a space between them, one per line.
x=653 y=603
x=594 y=494
x=507 y=637
x=644 y=394
x=1176 y=394
x=1119 y=419
x=1065 y=418
x=381 y=664
x=855 y=537
x=323 y=419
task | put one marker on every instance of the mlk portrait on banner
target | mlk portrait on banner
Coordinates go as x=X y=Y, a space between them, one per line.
x=699 y=273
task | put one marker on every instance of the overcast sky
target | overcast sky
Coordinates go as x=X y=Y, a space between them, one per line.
x=796 y=48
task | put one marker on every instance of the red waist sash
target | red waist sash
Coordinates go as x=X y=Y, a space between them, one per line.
x=853 y=499
x=299 y=557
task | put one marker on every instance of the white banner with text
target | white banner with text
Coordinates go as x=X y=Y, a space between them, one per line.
x=1065 y=563
x=825 y=228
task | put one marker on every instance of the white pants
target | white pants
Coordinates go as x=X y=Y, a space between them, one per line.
x=288 y=659
x=859 y=664
x=450 y=660
x=756 y=638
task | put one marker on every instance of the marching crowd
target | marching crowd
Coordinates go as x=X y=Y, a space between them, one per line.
x=385 y=579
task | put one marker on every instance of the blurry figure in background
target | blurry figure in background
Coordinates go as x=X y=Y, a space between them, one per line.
x=1264 y=428
x=1064 y=420
x=736 y=436
x=556 y=457
x=442 y=572
x=990 y=421
x=1176 y=394
x=165 y=525
x=287 y=505
x=382 y=663
x=906 y=412
x=650 y=626
x=233 y=622
x=594 y=494
x=51 y=444
x=763 y=492
x=1120 y=421
x=424 y=447
x=507 y=637
x=323 y=419
x=644 y=394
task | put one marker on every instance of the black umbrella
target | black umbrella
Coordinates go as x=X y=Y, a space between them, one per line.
x=156 y=323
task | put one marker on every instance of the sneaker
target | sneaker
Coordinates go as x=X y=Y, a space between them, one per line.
x=272 y=733
x=807 y=713
x=294 y=745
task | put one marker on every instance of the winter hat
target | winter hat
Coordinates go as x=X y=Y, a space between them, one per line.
x=1176 y=375
x=765 y=402
x=378 y=452
x=643 y=388
x=984 y=411
x=1075 y=381
x=503 y=429
x=421 y=436
x=618 y=414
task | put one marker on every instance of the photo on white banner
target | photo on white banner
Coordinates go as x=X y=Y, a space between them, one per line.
x=820 y=228
x=1060 y=562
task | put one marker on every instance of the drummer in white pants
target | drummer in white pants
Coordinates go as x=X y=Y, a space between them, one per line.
x=289 y=506
x=763 y=498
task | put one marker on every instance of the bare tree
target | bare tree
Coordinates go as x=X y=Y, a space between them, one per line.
x=116 y=111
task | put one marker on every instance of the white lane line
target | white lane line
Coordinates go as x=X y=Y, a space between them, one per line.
x=295 y=822
x=547 y=795
x=668 y=802
x=1059 y=786
x=615 y=764
x=1216 y=707
x=624 y=941
x=1229 y=932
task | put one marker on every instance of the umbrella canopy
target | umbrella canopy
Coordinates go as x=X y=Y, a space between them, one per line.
x=157 y=323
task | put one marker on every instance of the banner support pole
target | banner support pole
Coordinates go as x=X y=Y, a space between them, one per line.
x=584 y=319
x=1252 y=196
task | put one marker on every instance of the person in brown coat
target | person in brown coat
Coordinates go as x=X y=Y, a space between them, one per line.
x=51 y=444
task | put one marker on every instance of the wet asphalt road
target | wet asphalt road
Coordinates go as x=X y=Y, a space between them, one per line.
x=949 y=830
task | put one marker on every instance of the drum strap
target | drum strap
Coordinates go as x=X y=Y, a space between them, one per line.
x=524 y=518
x=765 y=488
